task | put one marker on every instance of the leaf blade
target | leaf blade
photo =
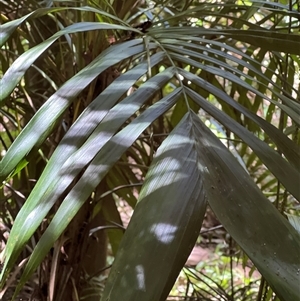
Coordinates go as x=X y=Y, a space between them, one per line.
x=164 y=226
x=92 y=176
x=268 y=239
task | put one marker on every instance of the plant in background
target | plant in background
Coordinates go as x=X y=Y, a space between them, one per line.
x=108 y=103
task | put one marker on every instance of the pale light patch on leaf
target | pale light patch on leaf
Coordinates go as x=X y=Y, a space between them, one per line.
x=165 y=224
x=294 y=221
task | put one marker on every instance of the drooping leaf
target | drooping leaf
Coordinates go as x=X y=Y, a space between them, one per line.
x=286 y=146
x=233 y=67
x=9 y=27
x=94 y=173
x=267 y=39
x=283 y=171
x=251 y=219
x=15 y=72
x=165 y=223
x=48 y=115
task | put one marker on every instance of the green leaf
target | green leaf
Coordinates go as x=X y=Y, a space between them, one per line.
x=293 y=113
x=14 y=74
x=8 y=28
x=94 y=173
x=266 y=39
x=221 y=58
x=256 y=225
x=165 y=223
x=285 y=145
x=42 y=123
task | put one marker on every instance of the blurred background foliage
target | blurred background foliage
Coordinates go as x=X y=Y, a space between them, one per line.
x=90 y=91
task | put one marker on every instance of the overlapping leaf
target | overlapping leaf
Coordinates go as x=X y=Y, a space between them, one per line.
x=47 y=192
x=92 y=176
x=9 y=27
x=172 y=202
x=165 y=223
x=256 y=225
x=285 y=145
x=287 y=174
x=48 y=115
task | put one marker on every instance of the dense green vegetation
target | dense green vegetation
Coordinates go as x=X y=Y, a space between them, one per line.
x=177 y=111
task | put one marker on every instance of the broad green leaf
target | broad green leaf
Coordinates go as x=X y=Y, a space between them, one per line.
x=284 y=144
x=9 y=27
x=48 y=115
x=165 y=223
x=91 y=146
x=15 y=72
x=181 y=109
x=86 y=123
x=92 y=176
x=267 y=39
x=254 y=223
x=295 y=115
x=43 y=198
x=284 y=172
x=221 y=58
